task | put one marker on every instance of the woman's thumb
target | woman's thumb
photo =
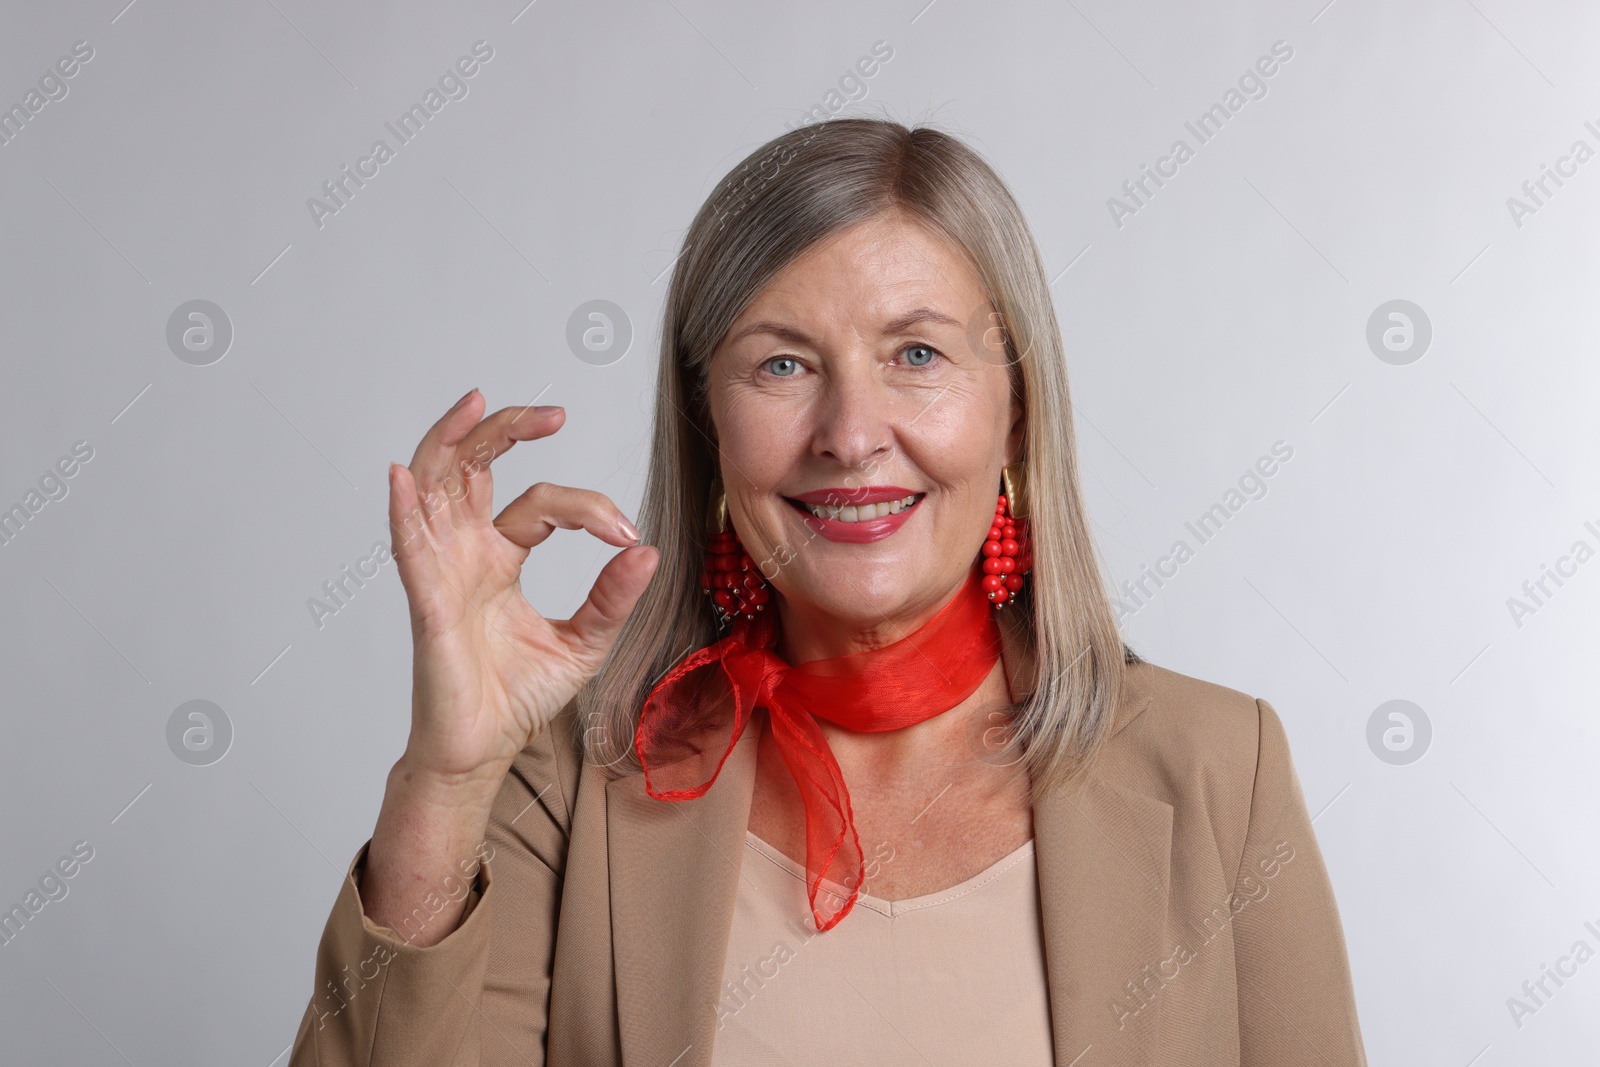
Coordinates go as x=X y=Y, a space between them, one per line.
x=611 y=600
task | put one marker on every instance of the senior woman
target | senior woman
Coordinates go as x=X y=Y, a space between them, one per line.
x=844 y=759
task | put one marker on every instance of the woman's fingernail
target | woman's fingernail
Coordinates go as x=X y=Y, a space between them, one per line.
x=463 y=400
x=629 y=532
x=548 y=409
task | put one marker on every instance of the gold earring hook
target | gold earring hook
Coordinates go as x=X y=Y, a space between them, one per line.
x=1014 y=476
x=717 y=509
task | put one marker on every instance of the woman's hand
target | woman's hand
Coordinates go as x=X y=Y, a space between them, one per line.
x=488 y=671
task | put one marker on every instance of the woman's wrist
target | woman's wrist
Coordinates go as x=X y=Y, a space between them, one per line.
x=411 y=780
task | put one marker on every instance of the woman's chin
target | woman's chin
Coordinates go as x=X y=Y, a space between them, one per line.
x=858 y=597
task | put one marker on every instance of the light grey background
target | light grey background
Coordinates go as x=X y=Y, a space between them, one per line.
x=1228 y=313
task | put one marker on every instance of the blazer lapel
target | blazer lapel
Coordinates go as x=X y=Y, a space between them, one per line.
x=674 y=879
x=1104 y=855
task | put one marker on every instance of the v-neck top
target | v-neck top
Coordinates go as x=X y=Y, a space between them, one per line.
x=953 y=977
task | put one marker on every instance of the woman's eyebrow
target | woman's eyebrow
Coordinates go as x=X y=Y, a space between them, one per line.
x=916 y=315
x=780 y=330
x=795 y=335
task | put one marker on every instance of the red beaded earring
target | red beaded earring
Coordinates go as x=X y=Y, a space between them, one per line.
x=730 y=576
x=1008 y=551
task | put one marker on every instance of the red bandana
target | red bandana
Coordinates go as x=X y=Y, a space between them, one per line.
x=686 y=732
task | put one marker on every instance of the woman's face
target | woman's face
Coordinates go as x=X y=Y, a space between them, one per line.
x=851 y=380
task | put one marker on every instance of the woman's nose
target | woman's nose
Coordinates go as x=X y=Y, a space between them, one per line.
x=855 y=421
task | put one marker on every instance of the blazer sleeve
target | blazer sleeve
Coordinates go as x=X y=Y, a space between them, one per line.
x=1296 y=1000
x=479 y=997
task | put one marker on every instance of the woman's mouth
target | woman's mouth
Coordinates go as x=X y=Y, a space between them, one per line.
x=858 y=523
x=859 y=512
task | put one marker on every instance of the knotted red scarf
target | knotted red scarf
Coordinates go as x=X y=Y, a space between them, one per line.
x=694 y=716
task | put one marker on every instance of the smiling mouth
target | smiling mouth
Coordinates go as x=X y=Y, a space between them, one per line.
x=858 y=512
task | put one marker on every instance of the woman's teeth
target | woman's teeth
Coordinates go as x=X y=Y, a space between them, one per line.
x=862 y=512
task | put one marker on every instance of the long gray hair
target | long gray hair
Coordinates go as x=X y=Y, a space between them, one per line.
x=795 y=190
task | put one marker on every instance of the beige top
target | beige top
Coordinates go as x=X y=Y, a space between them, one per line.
x=956 y=976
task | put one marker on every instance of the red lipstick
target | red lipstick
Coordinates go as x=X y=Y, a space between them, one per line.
x=864 y=532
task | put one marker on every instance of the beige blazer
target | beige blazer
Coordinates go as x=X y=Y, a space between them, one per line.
x=1188 y=917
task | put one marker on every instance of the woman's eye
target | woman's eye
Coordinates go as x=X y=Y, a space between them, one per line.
x=919 y=355
x=783 y=366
